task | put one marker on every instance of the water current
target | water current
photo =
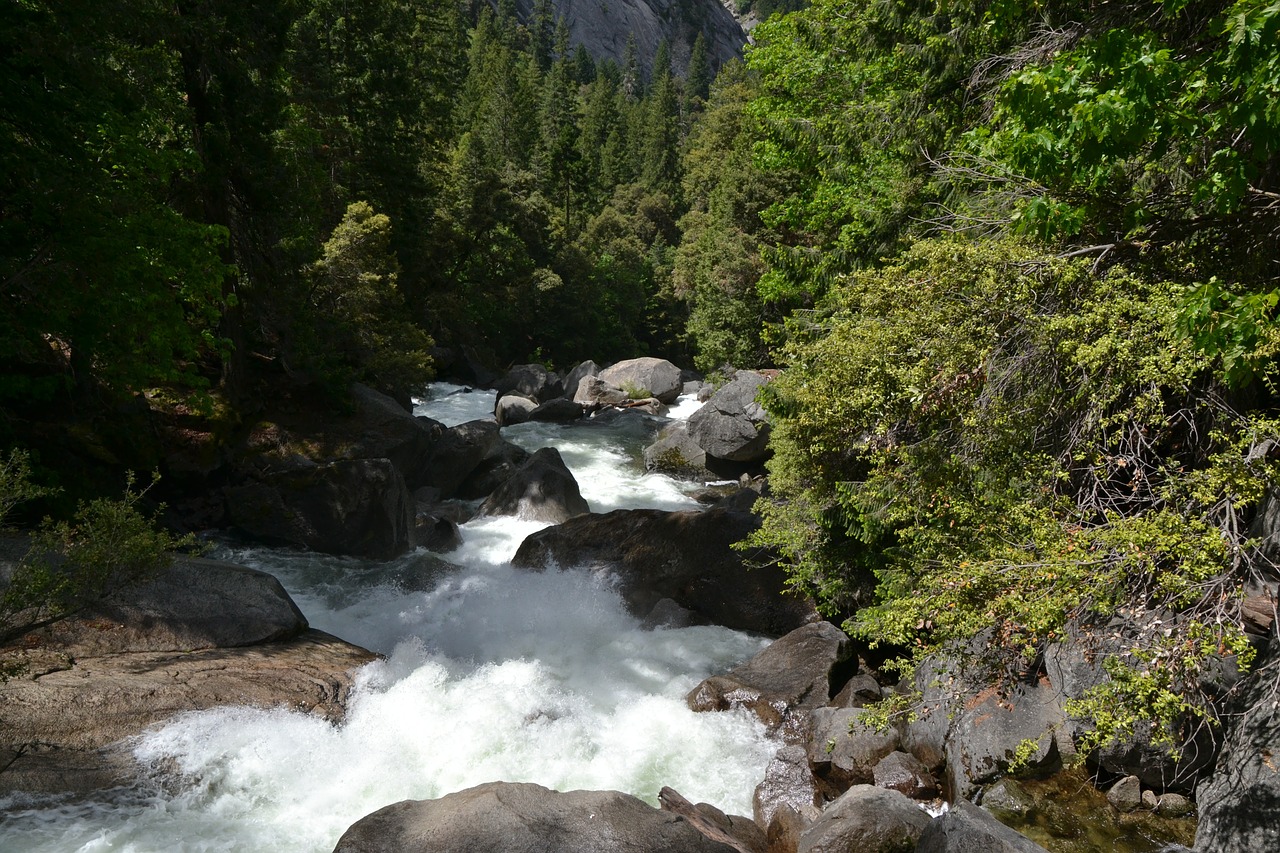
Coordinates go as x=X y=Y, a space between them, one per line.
x=490 y=673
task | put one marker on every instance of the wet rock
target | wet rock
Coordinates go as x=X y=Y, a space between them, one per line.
x=575 y=377
x=507 y=817
x=359 y=507
x=649 y=405
x=732 y=425
x=512 y=409
x=458 y=453
x=501 y=464
x=676 y=453
x=844 y=751
x=791 y=674
x=965 y=828
x=687 y=557
x=786 y=801
x=437 y=533
x=1173 y=805
x=655 y=377
x=1008 y=799
x=740 y=833
x=559 y=410
x=991 y=728
x=532 y=381
x=905 y=774
x=383 y=429
x=1149 y=800
x=866 y=819
x=1126 y=795
x=543 y=489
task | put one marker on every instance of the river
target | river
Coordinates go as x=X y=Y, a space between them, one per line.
x=489 y=674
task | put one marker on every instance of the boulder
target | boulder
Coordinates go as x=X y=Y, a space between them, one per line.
x=925 y=735
x=200 y=634
x=512 y=409
x=594 y=392
x=575 y=377
x=843 y=750
x=677 y=454
x=500 y=465
x=687 y=557
x=965 y=828
x=740 y=833
x=786 y=800
x=645 y=377
x=559 y=411
x=1126 y=795
x=459 y=452
x=383 y=429
x=1238 y=804
x=436 y=533
x=905 y=774
x=859 y=691
x=532 y=381
x=543 y=489
x=732 y=425
x=793 y=673
x=359 y=507
x=993 y=725
x=649 y=405
x=866 y=819
x=508 y=817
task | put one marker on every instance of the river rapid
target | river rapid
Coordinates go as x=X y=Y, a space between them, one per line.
x=489 y=674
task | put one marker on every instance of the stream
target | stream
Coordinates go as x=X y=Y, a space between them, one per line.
x=490 y=673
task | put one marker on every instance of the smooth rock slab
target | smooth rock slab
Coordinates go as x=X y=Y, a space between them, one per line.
x=507 y=817
x=866 y=819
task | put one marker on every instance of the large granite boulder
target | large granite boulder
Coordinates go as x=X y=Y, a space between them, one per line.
x=200 y=634
x=512 y=409
x=501 y=464
x=383 y=429
x=786 y=801
x=866 y=819
x=656 y=377
x=543 y=489
x=965 y=828
x=792 y=673
x=574 y=377
x=359 y=507
x=532 y=381
x=557 y=411
x=683 y=556
x=732 y=425
x=460 y=451
x=843 y=750
x=508 y=817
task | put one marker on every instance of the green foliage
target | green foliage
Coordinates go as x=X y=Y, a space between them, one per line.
x=979 y=438
x=108 y=545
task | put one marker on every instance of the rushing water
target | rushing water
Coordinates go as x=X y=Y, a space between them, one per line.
x=490 y=673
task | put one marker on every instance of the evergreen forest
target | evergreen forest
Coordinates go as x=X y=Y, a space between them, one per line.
x=1016 y=261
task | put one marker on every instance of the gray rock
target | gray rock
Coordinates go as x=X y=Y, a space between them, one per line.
x=905 y=774
x=655 y=376
x=844 y=751
x=559 y=411
x=684 y=556
x=1126 y=795
x=512 y=409
x=965 y=828
x=506 y=817
x=532 y=381
x=543 y=489
x=676 y=453
x=990 y=729
x=1150 y=800
x=1173 y=805
x=791 y=674
x=786 y=800
x=436 y=533
x=459 y=451
x=732 y=425
x=1008 y=798
x=501 y=464
x=575 y=376
x=1238 y=804
x=925 y=736
x=594 y=392
x=359 y=507
x=866 y=819
x=383 y=429
x=859 y=691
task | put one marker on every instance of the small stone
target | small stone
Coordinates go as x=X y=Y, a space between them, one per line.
x=1149 y=799
x=1126 y=795
x=1173 y=805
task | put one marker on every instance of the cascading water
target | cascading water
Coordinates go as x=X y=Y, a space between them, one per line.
x=490 y=674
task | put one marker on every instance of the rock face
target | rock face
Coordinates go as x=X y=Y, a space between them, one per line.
x=199 y=635
x=965 y=828
x=542 y=489
x=658 y=377
x=1240 y=801
x=792 y=673
x=359 y=507
x=504 y=817
x=866 y=819
x=786 y=800
x=385 y=430
x=731 y=425
x=683 y=556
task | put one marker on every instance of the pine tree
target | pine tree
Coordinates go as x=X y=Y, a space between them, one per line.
x=697 y=81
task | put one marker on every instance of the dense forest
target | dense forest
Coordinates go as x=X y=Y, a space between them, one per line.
x=1016 y=260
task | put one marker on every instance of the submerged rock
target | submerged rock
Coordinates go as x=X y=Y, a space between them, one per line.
x=509 y=817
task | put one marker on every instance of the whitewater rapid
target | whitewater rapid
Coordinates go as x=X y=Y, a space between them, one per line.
x=490 y=673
